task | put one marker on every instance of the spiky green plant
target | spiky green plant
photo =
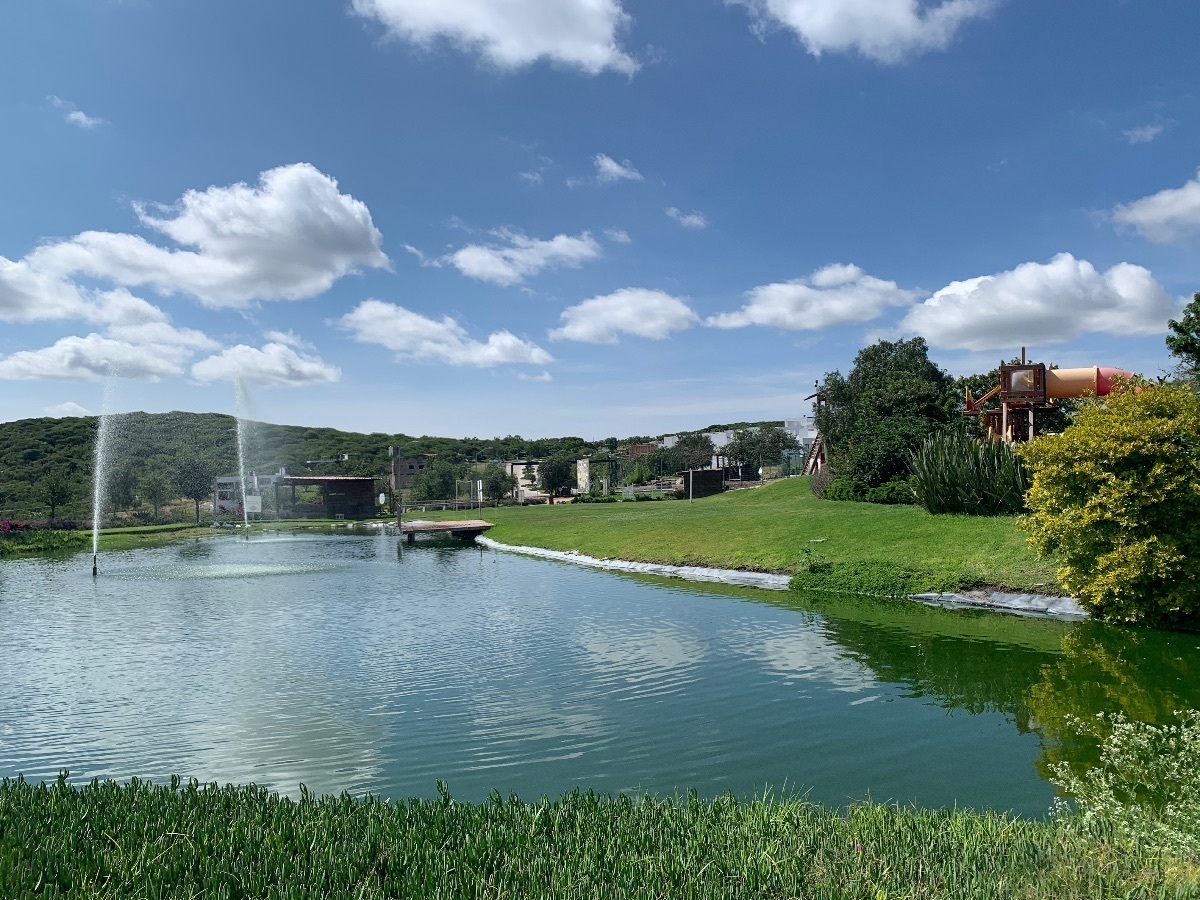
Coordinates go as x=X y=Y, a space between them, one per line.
x=953 y=473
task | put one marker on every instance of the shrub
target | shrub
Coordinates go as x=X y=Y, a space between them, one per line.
x=1116 y=497
x=953 y=473
x=843 y=488
x=1146 y=790
x=894 y=492
x=819 y=482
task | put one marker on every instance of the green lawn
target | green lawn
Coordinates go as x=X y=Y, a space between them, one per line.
x=779 y=527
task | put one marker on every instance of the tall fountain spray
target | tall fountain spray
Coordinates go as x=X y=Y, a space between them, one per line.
x=101 y=464
x=241 y=410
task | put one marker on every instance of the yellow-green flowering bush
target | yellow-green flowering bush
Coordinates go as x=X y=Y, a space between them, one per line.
x=1117 y=496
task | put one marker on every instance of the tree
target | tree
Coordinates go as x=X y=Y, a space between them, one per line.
x=157 y=489
x=54 y=490
x=121 y=487
x=497 y=482
x=1184 y=339
x=892 y=399
x=761 y=447
x=1115 y=496
x=193 y=478
x=437 y=482
x=556 y=473
x=695 y=451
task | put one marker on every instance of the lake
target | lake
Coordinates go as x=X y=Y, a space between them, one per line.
x=351 y=662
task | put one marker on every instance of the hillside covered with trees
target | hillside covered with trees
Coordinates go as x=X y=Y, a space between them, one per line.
x=46 y=464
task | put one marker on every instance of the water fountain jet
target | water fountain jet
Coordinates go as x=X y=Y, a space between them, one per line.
x=100 y=469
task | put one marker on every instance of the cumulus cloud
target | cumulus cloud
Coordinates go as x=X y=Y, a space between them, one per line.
x=688 y=220
x=66 y=410
x=93 y=358
x=290 y=237
x=636 y=311
x=1143 y=134
x=887 y=31
x=276 y=364
x=521 y=257
x=74 y=116
x=510 y=34
x=411 y=335
x=834 y=295
x=290 y=339
x=618 y=235
x=609 y=170
x=1056 y=301
x=1165 y=217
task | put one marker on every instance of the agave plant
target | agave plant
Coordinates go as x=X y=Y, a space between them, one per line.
x=953 y=473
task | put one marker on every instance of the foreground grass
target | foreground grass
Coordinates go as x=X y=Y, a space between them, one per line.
x=782 y=527
x=140 y=840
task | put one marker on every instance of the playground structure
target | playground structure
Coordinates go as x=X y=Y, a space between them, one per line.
x=1026 y=387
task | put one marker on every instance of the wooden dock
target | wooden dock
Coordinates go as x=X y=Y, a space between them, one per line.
x=467 y=529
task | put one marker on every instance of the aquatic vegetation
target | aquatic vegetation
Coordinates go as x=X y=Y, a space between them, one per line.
x=187 y=840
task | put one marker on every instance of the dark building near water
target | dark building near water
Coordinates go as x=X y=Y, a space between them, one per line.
x=342 y=497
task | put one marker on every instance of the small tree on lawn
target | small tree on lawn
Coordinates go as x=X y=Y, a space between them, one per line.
x=157 y=489
x=1115 y=496
x=556 y=473
x=497 y=482
x=194 y=480
x=695 y=451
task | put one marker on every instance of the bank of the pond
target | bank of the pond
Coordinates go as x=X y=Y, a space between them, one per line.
x=139 y=839
x=783 y=529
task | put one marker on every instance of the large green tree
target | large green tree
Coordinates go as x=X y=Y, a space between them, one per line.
x=437 y=482
x=1184 y=339
x=764 y=446
x=194 y=478
x=556 y=473
x=156 y=488
x=694 y=451
x=497 y=482
x=873 y=418
x=54 y=491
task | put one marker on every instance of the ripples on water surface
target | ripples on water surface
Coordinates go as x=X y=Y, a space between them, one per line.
x=350 y=663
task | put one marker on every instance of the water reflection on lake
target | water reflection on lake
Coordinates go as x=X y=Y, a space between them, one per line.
x=352 y=663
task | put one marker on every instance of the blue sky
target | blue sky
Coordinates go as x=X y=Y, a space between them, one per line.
x=589 y=217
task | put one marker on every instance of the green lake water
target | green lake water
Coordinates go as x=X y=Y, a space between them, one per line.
x=355 y=663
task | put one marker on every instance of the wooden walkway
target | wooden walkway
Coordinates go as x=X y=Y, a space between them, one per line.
x=468 y=529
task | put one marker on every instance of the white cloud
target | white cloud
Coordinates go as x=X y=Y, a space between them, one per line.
x=65 y=410
x=1055 y=301
x=276 y=364
x=834 y=295
x=290 y=339
x=636 y=311
x=532 y=177
x=288 y=238
x=414 y=336
x=522 y=257
x=512 y=33
x=75 y=116
x=544 y=376
x=1167 y=216
x=618 y=235
x=1143 y=134
x=688 y=220
x=93 y=358
x=608 y=170
x=887 y=31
